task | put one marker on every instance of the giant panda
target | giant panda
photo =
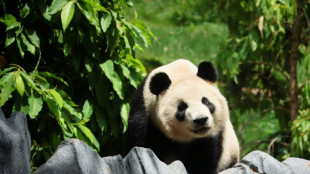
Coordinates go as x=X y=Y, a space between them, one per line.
x=179 y=113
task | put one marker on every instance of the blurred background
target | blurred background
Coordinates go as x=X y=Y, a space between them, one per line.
x=72 y=66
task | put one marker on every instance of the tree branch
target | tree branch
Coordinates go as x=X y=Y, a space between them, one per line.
x=293 y=90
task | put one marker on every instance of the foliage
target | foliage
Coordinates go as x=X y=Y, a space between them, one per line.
x=301 y=126
x=70 y=66
x=301 y=137
x=255 y=61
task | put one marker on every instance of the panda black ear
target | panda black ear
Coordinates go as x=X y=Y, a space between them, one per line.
x=159 y=83
x=207 y=71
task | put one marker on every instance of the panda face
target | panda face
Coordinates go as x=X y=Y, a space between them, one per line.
x=199 y=115
x=183 y=101
x=190 y=109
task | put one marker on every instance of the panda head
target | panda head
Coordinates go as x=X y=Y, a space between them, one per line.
x=184 y=102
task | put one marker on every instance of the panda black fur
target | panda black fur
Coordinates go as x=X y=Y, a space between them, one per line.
x=179 y=113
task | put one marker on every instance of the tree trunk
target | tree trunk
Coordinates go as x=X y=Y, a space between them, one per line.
x=293 y=90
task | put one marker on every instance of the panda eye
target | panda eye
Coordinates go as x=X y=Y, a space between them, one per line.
x=182 y=106
x=210 y=105
x=204 y=100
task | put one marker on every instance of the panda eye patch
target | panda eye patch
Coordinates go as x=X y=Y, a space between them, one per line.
x=210 y=105
x=204 y=100
x=180 y=115
x=182 y=106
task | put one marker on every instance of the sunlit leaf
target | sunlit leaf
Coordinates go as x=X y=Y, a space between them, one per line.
x=108 y=69
x=76 y=115
x=67 y=14
x=90 y=14
x=19 y=84
x=35 y=105
x=96 y=5
x=28 y=79
x=11 y=22
x=124 y=114
x=56 y=6
x=132 y=76
x=7 y=88
x=105 y=21
x=129 y=3
x=55 y=110
x=87 y=110
x=57 y=97
x=90 y=136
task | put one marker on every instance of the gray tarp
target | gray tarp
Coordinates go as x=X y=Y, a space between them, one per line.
x=74 y=156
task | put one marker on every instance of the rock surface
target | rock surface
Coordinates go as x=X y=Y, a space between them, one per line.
x=261 y=162
x=14 y=144
x=74 y=156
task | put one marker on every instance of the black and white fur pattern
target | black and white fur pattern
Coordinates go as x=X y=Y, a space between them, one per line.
x=180 y=114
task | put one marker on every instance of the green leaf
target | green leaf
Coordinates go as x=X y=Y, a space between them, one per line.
x=28 y=79
x=19 y=84
x=40 y=78
x=56 y=140
x=133 y=79
x=124 y=114
x=20 y=46
x=56 y=6
x=10 y=38
x=101 y=120
x=6 y=70
x=90 y=136
x=10 y=22
x=140 y=36
x=253 y=39
x=57 y=97
x=105 y=21
x=94 y=4
x=35 y=105
x=89 y=64
x=129 y=3
x=33 y=36
x=55 y=109
x=52 y=105
x=7 y=87
x=25 y=11
x=87 y=110
x=77 y=115
x=90 y=14
x=135 y=63
x=145 y=30
x=108 y=69
x=51 y=75
x=67 y=14
x=21 y=105
x=68 y=122
x=30 y=47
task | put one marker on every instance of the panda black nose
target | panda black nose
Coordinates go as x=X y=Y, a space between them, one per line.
x=201 y=121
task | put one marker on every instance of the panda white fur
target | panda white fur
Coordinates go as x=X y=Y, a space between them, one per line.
x=180 y=114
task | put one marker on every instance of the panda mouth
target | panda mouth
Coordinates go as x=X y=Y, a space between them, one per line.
x=200 y=130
